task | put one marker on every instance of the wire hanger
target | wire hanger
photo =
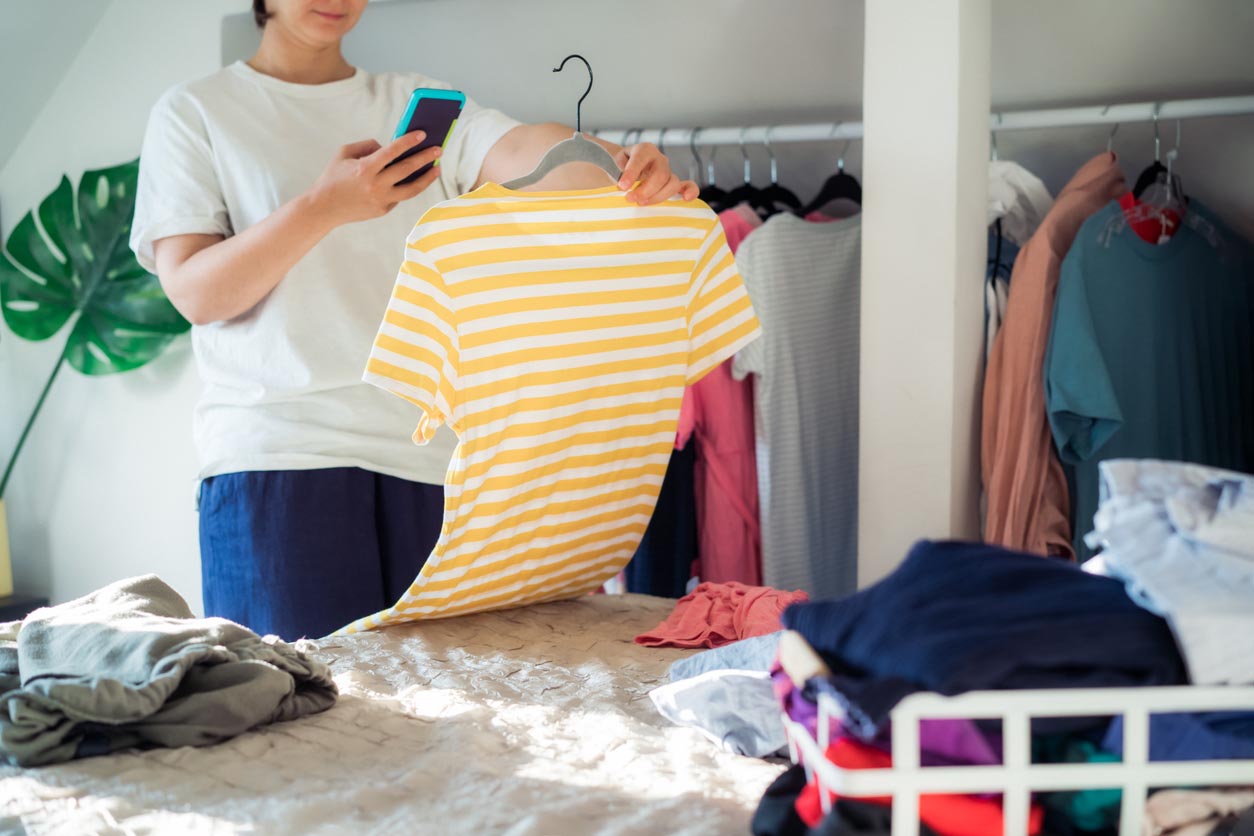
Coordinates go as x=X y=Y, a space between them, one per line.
x=694 y=168
x=577 y=149
x=711 y=193
x=1152 y=172
x=839 y=186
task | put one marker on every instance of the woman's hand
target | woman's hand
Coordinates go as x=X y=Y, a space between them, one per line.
x=355 y=186
x=646 y=162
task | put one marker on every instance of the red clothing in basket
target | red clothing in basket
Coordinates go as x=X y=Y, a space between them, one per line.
x=948 y=815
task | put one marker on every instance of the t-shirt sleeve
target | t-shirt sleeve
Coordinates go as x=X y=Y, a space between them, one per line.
x=415 y=353
x=1079 y=396
x=178 y=191
x=478 y=129
x=721 y=320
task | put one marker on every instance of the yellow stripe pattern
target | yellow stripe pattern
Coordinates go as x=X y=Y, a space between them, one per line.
x=554 y=332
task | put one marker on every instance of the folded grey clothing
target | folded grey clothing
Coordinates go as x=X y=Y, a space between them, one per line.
x=754 y=654
x=129 y=665
x=736 y=709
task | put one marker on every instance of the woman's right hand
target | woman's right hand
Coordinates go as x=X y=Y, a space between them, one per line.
x=355 y=186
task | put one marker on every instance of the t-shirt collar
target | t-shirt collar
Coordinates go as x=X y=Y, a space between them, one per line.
x=291 y=88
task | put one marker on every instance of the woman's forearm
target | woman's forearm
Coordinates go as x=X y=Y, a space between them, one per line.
x=228 y=278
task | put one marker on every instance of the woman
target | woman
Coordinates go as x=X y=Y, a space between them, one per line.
x=315 y=507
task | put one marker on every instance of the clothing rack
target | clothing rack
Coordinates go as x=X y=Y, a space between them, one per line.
x=1017 y=120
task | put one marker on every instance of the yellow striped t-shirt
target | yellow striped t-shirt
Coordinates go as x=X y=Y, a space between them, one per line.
x=554 y=332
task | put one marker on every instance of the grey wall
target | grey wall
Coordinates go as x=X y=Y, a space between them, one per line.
x=38 y=41
x=738 y=62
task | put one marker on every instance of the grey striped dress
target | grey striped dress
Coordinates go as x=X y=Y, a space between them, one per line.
x=803 y=278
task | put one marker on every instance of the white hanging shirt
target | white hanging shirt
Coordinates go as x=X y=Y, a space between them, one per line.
x=282 y=382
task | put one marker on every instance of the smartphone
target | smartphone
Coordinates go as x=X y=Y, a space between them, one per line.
x=433 y=111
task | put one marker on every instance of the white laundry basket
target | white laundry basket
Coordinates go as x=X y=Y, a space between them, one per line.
x=1017 y=777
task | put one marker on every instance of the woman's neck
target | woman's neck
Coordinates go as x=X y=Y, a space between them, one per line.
x=287 y=59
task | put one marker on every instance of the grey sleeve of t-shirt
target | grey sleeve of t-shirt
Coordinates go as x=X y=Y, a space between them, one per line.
x=752 y=358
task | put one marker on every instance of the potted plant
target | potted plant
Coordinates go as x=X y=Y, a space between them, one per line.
x=70 y=262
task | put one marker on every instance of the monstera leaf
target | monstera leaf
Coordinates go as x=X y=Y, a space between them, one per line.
x=77 y=261
x=75 y=264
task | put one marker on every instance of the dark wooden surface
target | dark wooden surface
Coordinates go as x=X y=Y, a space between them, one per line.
x=16 y=607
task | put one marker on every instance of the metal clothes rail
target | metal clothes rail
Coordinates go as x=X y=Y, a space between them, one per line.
x=1014 y=120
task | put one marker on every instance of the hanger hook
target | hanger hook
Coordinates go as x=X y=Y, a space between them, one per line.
x=1173 y=154
x=661 y=140
x=579 y=105
x=1110 y=140
x=993 y=137
x=1157 y=107
x=744 y=153
x=692 y=147
x=840 y=159
x=766 y=140
x=709 y=163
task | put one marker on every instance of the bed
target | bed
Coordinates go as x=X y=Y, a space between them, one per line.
x=528 y=721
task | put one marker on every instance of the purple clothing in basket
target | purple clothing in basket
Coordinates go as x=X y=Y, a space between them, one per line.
x=942 y=742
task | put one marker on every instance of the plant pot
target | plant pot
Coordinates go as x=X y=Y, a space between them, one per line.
x=6 y=567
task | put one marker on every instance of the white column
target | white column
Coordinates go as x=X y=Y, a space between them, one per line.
x=925 y=108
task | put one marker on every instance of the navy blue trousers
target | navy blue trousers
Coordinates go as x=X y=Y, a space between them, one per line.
x=305 y=552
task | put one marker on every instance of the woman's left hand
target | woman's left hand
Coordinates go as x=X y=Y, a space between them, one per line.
x=646 y=162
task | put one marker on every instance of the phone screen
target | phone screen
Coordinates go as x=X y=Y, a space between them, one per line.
x=435 y=116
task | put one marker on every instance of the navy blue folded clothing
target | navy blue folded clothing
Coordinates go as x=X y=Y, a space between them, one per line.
x=1216 y=735
x=956 y=617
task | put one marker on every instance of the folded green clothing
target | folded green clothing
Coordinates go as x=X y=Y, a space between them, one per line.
x=129 y=665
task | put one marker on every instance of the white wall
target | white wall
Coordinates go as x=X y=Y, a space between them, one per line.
x=40 y=62
x=104 y=489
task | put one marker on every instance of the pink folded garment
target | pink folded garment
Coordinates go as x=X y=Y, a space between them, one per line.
x=715 y=614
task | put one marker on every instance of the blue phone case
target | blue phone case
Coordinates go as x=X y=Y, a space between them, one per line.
x=434 y=111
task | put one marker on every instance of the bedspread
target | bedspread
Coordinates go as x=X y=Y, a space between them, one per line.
x=528 y=721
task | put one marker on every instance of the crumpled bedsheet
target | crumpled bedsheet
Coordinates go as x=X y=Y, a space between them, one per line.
x=527 y=721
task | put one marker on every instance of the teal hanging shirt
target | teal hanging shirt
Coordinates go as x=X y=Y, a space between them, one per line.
x=1151 y=352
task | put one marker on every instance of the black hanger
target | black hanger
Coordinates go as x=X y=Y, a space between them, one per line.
x=746 y=192
x=839 y=185
x=774 y=195
x=1151 y=175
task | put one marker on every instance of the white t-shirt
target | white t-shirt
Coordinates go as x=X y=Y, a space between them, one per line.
x=283 y=383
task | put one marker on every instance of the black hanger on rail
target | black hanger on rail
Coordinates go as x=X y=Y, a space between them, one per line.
x=840 y=185
x=775 y=195
x=746 y=192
